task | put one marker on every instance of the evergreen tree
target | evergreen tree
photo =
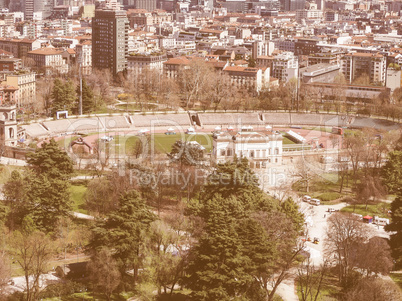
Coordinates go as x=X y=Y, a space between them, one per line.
x=63 y=95
x=291 y=209
x=217 y=267
x=42 y=193
x=124 y=231
x=186 y=153
x=51 y=160
x=396 y=226
x=392 y=171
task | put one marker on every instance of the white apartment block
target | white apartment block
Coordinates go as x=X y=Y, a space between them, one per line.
x=354 y=65
x=84 y=53
x=285 y=66
x=308 y=15
x=262 y=149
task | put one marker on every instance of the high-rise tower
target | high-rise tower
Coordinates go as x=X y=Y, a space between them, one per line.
x=110 y=40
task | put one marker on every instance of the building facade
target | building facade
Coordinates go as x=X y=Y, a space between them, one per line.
x=138 y=62
x=355 y=65
x=25 y=82
x=110 y=40
x=262 y=149
x=285 y=66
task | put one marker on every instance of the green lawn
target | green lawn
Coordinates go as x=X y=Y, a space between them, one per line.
x=162 y=143
x=379 y=209
x=6 y=170
x=286 y=140
x=77 y=196
x=397 y=277
x=328 y=291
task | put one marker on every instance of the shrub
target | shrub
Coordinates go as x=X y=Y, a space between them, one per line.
x=329 y=196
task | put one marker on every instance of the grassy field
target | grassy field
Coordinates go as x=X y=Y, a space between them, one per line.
x=6 y=170
x=77 y=196
x=162 y=143
x=397 y=277
x=329 y=289
x=379 y=209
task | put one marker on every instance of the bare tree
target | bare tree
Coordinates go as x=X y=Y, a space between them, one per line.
x=5 y=274
x=104 y=272
x=287 y=248
x=310 y=279
x=32 y=253
x=194 y=81
x=306 y=170
x=374 y=289
x=343 y=233
x=373 y=257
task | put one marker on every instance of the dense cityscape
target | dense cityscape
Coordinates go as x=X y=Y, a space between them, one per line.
x=207 y=150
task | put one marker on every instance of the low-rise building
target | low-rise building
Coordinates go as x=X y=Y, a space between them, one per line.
x=252 y=79
x=49 y=60
x=262 y=149
x=138 y=62
x=321 y=73
x=25 y=82
x=10 y=64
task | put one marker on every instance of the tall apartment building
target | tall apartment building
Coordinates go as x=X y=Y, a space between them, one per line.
x=110 y=40
x=354 y=65
x=28 y=9
x=149 y=5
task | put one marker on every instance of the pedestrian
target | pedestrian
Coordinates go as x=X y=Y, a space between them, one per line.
x=325 y=215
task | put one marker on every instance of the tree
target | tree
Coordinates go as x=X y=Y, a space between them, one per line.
x=310 y=279
x=392 y=171
x=291 y=210
x=32 y=252
x=369 y=190
x=167 y=256
x=217 y=265
x=343 y=233
x=50 y=160
x=374 y=289
x=186 y=153
x=104 y=272
x=194 y=82
x=372 y=257
x=14 y=191
x=396 y=226
x=88 y=98
x=275 y=264
x=306 y=170
x=63 y=95
x=47 y=197
x=5 y=273
x=124 y=230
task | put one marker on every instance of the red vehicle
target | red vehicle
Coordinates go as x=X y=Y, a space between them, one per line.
x=337 y=131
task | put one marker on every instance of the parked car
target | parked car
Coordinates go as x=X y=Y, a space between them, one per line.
x=306 y=198
x=315 y=202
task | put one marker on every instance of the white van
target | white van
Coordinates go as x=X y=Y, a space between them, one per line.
x=315 y=202
x=306 y=198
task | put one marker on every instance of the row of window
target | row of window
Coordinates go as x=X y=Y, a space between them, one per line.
x=250 y=154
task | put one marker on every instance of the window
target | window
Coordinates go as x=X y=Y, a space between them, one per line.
x=222 y=152
x=251 y=154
